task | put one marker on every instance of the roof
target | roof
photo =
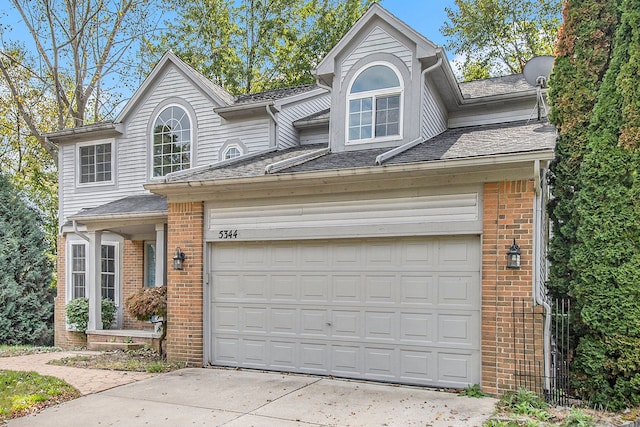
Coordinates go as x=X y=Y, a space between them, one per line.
x=468 y=142
x=252 y=166
x=495 y=86
x=314 y=119
x=459 y=143
x=131 y=205
x=272 y=95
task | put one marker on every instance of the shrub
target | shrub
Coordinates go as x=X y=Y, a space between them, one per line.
x=148 y=302
x=78 y=313
x=26 y=295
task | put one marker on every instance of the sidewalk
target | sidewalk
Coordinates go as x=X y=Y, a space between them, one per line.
x=87 y=381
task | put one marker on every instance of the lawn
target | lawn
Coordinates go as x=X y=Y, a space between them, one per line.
x=23 y=350
x=22 y=393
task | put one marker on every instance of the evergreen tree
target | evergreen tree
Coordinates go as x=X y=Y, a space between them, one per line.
x=583 y=52
x=26 y=297
x=605 y=259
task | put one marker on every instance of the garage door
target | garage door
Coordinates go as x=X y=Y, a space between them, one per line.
x=403 y=310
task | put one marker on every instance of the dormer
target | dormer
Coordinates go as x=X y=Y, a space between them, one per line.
x=374 y=74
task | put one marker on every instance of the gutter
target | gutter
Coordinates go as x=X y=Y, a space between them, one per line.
x=436 y=165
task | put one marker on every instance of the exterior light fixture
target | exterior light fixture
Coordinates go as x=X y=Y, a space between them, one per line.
x=513 y=256
x=178 y=259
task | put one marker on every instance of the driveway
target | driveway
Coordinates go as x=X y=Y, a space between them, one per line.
x=226 y=397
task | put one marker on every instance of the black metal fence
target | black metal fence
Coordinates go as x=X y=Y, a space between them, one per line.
x=548 y=378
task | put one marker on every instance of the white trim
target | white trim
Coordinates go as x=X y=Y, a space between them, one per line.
x=192 y=139
x=374 y=95
x=78 y=165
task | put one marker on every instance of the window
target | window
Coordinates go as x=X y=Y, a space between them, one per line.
x=150 y=264
x=95 y=163
x=108 y=272
x=374 y=104
x=78 y=271
x=171 y=141
x=232 y=152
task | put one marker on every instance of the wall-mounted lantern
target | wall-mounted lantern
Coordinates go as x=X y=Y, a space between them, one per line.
x=513 y=256
x=178 y=259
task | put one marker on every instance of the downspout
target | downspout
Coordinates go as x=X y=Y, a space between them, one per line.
x=422 y=83
x=538 y=293
x=78 y=232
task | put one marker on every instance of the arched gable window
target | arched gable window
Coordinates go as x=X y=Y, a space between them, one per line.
x=374 y=104
x=171 y=141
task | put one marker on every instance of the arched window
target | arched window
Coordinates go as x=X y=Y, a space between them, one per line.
x=375 y=99
x=171 y=141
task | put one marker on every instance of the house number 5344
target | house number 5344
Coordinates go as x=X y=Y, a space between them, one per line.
x=228 y=234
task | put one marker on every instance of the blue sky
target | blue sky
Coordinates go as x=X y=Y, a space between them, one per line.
x=425 y=16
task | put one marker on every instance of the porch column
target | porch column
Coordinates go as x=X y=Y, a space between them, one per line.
x=161 y=257
x=94 y=279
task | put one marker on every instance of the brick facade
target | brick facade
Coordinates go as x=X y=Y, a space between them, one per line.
x=508 y=213
x=133 y=280
x=185 y=338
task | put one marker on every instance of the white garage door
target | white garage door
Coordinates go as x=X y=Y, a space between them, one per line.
x=404 y=310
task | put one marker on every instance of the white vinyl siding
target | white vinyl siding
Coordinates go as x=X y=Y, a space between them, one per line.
x=288 y=136
x=434 y=119
x=376 y=41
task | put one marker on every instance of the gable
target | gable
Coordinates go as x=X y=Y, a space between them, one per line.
x=378 y=40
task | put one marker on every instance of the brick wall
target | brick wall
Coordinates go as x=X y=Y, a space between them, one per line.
x=185 y=290
x=507 y=214
x=133 y=280
x=62 y=337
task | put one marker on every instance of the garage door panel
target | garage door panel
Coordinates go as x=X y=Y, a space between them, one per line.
x=283 y=287
x=314 y=358
x=381 y=289
x=418 y=366
x=284 y=321
x=282 y=355
x=455 y=368
x=417 y=328
x=417 y=289
x=380 y=325
x=458 y=291
x=313 y=322
x=313 y=288
x=402 y=310
x=346 y=324
x=457 y=329
x=346 y=288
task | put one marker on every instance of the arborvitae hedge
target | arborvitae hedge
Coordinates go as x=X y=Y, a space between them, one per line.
x=26 y=297
x=606 y=256
x=583 y=53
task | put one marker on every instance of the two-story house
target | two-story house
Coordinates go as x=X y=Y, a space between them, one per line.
x=359 y=227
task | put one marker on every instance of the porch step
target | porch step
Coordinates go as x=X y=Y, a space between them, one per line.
x=108 y=346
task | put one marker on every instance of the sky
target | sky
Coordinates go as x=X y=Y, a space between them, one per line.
x=425 y=16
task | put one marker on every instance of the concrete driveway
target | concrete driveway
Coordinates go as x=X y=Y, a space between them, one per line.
x=225 y=397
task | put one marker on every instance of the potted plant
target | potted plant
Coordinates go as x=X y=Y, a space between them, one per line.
x=150 y=304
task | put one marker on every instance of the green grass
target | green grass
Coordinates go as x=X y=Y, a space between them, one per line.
x=20 y=392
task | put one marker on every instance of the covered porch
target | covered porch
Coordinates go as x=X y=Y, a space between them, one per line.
x=112 y=252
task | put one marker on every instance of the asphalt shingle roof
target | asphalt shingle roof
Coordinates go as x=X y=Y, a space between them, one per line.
x=140 y=204
x=467 y=142
x=272 y=95
x=253 y=166
x=495 y=86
